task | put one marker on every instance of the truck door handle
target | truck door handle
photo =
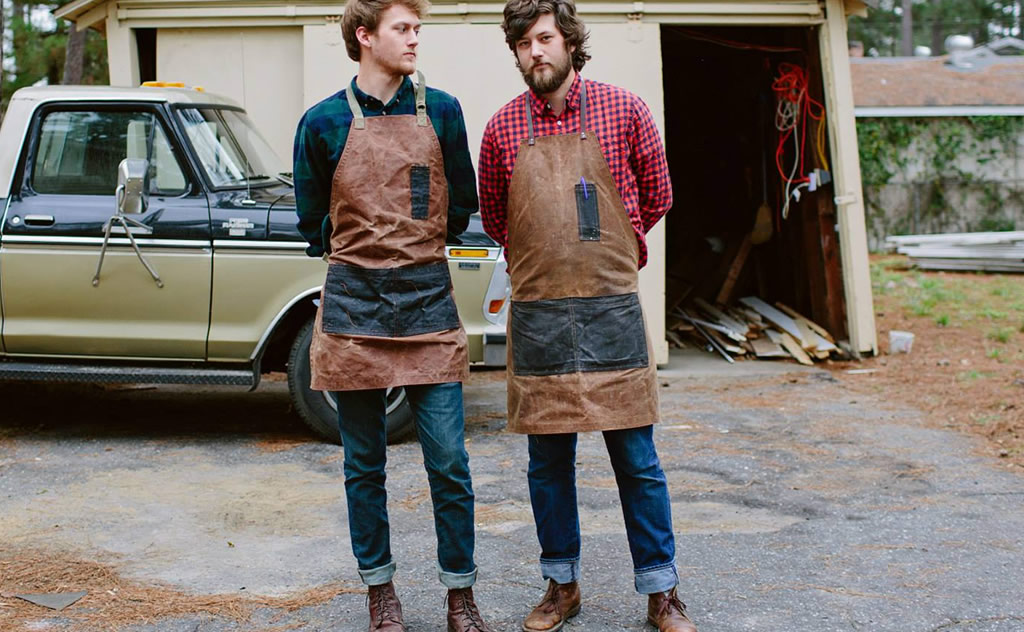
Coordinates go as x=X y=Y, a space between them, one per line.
x=39 y=220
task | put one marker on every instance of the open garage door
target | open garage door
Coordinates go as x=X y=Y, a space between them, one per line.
x=762 y=152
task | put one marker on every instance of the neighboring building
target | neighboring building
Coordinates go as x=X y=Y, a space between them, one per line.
x=946 y=170
x=278 y=59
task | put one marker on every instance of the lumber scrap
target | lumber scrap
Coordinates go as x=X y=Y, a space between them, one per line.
x=968 y=265
x=979 y=238
x=765 y=348
x=725 y=292
x=790 y=344
x=777 y=318
x=821 y=340
x=722 y=329
x=673 y=322
x=721 y=317
x=714 y=344
x=815 y=327
x=1008 y=252
x=675 y=339
x=731 y=346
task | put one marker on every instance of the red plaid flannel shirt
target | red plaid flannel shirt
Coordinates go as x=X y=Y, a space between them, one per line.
x=629 y=141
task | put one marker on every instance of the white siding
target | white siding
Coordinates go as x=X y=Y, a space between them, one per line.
x=258 y=67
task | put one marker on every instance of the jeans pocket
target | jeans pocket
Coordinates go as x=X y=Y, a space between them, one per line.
x=356 y=301
x=610 y=332
x=586 y=211
x=419 y=187
x=542 y=337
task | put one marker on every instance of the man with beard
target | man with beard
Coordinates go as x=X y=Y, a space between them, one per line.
x=382 y=172
x=572 y=176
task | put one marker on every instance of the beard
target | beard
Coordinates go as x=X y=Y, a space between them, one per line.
x=549 y=81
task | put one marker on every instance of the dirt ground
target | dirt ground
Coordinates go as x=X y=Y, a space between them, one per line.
x=966 y=365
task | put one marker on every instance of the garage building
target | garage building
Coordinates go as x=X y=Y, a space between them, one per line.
x=711 y=72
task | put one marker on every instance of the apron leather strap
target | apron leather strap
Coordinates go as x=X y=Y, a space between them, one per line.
x=529 y=119
x=421 y=100
x=583 y=114
x=583 y=109
x=359 y=120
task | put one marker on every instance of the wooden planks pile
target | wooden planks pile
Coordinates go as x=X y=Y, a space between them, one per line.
x=752 y=329
x=988 y=252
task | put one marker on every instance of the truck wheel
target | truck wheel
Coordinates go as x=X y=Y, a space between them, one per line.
x=319 y=409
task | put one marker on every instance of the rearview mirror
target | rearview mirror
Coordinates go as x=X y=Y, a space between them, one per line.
x=131 y=192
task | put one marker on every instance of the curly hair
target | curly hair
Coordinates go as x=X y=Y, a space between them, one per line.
x=521 y=14
x=366 y=13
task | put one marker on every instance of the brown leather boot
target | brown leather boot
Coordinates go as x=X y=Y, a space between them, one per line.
x=560 y=603
x=463 y=615
x=667 y=613
x=385 y=609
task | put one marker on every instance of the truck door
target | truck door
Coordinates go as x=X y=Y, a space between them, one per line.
x=54 y=302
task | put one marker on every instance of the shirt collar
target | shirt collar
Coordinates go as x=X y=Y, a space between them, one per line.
x=374 y=104
x=572 y=99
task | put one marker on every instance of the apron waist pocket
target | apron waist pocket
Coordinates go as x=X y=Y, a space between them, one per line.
x=567 y=335
x=388 y=302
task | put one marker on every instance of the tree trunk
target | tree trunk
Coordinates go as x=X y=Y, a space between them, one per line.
x=938 y=45
x=74 y=56
x=908 y=28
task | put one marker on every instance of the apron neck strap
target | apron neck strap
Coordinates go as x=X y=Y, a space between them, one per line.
x=583 y=109
x=530 y=139
x=421 y=100
x=359 y=119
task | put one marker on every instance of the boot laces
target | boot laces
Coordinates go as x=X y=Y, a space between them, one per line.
x=384 y=607
x=467 y=607
x=675 y=603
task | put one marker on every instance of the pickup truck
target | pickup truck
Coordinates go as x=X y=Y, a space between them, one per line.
x=148 y=236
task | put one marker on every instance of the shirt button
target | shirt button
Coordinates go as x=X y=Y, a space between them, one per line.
x=559 y=123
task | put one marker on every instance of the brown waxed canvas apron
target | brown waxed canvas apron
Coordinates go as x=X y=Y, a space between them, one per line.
x=387 y=316
x=579 y=358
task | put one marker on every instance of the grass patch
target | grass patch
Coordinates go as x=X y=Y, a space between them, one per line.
x=1003 y=334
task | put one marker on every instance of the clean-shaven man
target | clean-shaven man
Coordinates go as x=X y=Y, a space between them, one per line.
x=382 y=173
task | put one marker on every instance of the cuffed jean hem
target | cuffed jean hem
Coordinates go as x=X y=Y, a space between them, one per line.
x=379 y=575
x=562 y=571
x=456 y=580
x=657 y=579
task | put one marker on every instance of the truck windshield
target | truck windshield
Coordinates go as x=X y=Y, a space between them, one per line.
x=229 y=147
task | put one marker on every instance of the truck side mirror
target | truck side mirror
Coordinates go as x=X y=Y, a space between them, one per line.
x=132 y=197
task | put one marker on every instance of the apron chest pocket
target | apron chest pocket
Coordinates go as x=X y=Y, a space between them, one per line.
x=389 y=302
x=586 y=211
x=603 y=333
x=419 y=187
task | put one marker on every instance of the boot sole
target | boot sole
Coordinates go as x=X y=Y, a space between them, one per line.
x=568 y=615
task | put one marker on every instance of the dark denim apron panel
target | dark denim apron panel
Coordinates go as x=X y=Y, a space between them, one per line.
x=389 y=302
x=556 y=336
x=419 y=187
x=587 y=213
x=542 y=337
x=610 y=333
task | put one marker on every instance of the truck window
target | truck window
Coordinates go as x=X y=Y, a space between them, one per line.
x=78 y=153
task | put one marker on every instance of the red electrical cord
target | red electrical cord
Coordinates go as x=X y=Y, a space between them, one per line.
x=791 y=86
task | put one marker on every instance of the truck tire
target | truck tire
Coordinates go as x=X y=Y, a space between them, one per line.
x=319 y=409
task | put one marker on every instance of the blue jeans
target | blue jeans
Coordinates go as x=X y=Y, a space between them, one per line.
x=643 y=492
x=440 y=424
